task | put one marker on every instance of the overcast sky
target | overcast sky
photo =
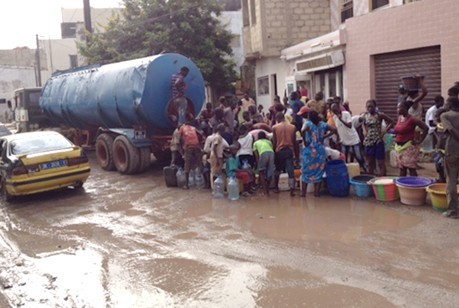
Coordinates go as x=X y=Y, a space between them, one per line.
x=21 y=20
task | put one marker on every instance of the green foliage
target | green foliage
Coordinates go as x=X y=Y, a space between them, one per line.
x=148 y=27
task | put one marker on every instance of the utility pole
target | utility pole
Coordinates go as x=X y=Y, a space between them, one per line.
x=87 y=16
x=37 y=60
x=50 y=55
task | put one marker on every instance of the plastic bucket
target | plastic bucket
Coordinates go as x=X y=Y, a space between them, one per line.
x=360 y=185
x=437 y=193
x=412 y=195
x=384 y=188
x=414 y=181
x=412 y=189
x=411 y=83
x=337 y=178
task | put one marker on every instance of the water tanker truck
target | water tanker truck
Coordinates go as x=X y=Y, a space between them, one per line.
x=123 y=109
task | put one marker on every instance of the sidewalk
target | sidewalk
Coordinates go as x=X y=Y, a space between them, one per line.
x=426 y=170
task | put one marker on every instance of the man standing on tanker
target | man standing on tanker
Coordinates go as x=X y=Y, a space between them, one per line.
x=179 y=111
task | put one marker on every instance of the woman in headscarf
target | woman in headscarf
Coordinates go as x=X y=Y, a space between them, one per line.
x=407 y=142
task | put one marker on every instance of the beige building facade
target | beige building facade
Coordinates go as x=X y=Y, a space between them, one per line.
x=418 y=38
x=377 y=43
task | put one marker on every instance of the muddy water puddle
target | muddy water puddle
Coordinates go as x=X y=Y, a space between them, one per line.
x=132 y=242
x=325 y=218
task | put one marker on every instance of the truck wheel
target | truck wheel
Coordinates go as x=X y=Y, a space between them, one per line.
x=104 y=151
x=145 y=159
x=125 y=155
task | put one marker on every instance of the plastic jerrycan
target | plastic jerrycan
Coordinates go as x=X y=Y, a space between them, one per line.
x=219 y=188
x=181 y=179
x=233 y=189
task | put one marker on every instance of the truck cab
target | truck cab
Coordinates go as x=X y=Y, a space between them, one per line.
x=27 y=112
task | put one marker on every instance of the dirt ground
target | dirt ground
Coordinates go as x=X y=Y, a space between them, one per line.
x=130 y=241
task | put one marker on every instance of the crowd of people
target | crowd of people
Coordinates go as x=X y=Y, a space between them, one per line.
x=298 y=136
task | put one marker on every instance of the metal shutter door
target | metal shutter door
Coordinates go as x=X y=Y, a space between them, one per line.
x=390 y=67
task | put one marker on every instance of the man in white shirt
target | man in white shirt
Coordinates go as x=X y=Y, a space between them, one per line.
x=350 y=140
x=431 y=120
x=246 y=102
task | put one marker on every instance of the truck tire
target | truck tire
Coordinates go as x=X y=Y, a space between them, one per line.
x=145 y=158
x=125 y=156
x=104 y=151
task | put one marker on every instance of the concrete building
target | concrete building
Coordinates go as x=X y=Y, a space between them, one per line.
x=17 y=70
x=62 y=54
x=18 y=66
x=269 y=27
x=233 y=22
x=377 y=43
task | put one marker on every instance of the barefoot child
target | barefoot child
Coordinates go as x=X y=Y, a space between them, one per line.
x=264 y=154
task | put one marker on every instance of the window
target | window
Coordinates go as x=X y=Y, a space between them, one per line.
x=245 y=13
x=231 y=5
x=347 y=10
x=274 y=83
x=73 y=61
x=68 y=29
x=332 y=85
x=378 y=3
x=253 y=15
x=263 y=85
x=34 y=98
x=290 y=88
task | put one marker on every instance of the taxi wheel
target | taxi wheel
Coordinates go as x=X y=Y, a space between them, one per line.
x=125 y=155
x=104 y=151
x=78 y=185
x=5 y=194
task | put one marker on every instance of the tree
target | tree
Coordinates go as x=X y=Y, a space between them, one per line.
x=148 y=27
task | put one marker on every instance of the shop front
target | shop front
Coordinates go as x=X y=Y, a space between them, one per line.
x=316 y=65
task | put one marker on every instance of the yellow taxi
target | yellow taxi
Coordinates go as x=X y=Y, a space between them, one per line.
x=40 y=161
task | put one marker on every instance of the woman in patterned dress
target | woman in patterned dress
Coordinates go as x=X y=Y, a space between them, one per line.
x=314 y=132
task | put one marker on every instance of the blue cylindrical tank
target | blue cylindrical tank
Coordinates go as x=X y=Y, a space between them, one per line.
x=120 y=95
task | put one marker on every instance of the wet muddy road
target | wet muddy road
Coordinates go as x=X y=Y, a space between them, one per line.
x=129 y=241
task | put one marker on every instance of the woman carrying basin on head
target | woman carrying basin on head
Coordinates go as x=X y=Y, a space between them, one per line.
x=407 y=141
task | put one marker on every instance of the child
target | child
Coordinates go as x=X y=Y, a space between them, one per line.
x=216 y=153
x=233 y=168
x=176 y=149
x=244 y=145
x=206 y=158
x=264 y=153
x=191 y=140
